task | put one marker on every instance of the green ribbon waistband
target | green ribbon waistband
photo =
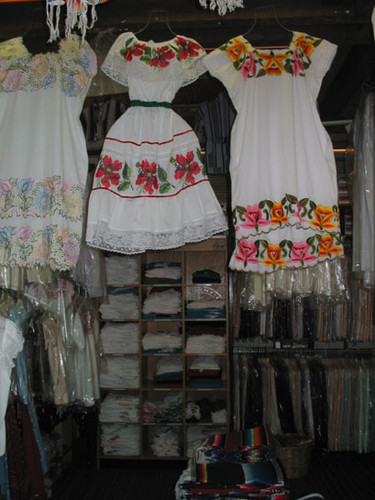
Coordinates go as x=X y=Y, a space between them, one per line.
x=151 y=104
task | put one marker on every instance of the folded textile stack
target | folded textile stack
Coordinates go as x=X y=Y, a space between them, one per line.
x=120 y=439
x=162 y=272
x=120 y=372
x=168 y=371
x=118 y=338
x=234 y=465
x=121 y=269
x=162 y=342
x=205 y=372
x=206 y=410
x=166 y=441
x=205 y=344
x=162 y=303
x=117 y=407
x=168 y=410
x=206 y=309
x=206 y=276
x=122 y=303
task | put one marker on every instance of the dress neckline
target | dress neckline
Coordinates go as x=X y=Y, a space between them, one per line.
x=155 y=44
x=26 y=52
x=287 y=48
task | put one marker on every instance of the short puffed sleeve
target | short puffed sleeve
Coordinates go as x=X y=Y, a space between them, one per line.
x=223 y=63
x=321 y=59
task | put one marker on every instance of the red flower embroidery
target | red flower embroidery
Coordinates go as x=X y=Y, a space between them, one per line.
x=147 y=177
x=163 y=54
x=107 y=170
x=135 y=50
x=187 y=48
x=187 y=167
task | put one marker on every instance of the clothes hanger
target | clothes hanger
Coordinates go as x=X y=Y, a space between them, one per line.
x=157 y=17
x=280 y=24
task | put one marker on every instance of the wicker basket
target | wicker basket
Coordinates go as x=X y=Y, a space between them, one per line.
x=294 y=453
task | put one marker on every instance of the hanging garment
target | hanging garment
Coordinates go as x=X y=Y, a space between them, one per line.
x=11 y=343
x=213 y=123
x=363 y=264
x=151 y=190
x=283 y=173
x=43 y=152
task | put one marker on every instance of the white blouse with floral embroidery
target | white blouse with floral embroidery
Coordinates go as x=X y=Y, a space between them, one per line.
x=284 y=187
x=43 y=152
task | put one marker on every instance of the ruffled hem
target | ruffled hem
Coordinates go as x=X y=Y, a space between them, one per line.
x=133 y=242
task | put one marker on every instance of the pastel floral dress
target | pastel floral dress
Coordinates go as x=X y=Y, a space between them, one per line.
x=43 y=152
x=283 y=173
x=150 y=189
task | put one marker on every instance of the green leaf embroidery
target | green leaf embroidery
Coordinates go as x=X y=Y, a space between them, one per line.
x=162 y=174
x=123 y=186
x=164 y=188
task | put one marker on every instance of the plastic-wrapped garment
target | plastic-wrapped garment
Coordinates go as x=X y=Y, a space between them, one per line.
x=328 y=280
x=11 y=343
x=363 y=187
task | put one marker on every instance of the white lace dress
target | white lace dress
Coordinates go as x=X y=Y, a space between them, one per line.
x=150 y=189
x=43 y=160
x=11 y=343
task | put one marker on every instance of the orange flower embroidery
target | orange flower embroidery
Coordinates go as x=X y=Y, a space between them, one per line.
x=327 y=248
x=274 y=256
x=307 y=46
x=274 y=63
x=278 y=214
x=323 y=218
x=237 y=49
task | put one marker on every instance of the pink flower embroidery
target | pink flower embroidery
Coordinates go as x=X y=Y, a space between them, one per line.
x=246 y=251
x=297 y=66
x=24 y=233
x=300 y=253
x=15 y=80
x=249 y=67
x=147 y=177
x=187 y=167
x=253 y=216
x=5 y=187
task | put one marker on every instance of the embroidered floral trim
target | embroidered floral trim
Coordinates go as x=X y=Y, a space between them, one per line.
x=72 y=67
x=160 y=56
x=40 y=198
x=270 y=215
x=28 y=246
x=148 y=177
x=288 y=253
x=252 y=62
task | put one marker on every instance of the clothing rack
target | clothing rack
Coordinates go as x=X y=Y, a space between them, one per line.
x=306 y=352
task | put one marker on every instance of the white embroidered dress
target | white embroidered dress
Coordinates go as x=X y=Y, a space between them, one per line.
x=150 y=189
x=284 y=187
x=43 y=159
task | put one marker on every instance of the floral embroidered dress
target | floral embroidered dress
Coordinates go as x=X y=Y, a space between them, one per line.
x=43 y=152
x=284 y=188
x=150 y=188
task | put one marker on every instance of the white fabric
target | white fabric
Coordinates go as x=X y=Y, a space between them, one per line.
x=283 y=173
x=11 y=343
x=151 y=190
x=166 y=302
x=43 y=152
